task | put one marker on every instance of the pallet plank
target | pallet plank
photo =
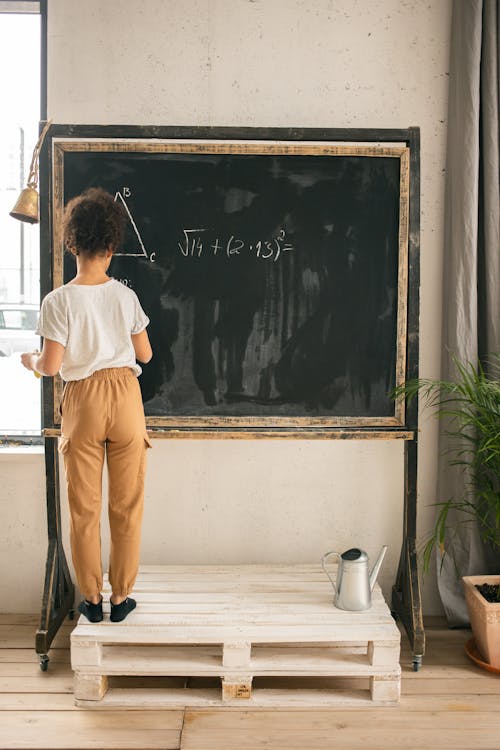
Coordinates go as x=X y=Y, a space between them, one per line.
x=199 y=660
x=213 y=635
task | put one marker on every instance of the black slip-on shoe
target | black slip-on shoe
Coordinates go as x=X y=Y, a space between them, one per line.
x=120 y=611
x=93 y=612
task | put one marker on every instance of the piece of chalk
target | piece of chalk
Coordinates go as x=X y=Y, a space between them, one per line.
x=37 y=374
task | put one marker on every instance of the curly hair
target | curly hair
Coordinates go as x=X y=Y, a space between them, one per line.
x=93 y=223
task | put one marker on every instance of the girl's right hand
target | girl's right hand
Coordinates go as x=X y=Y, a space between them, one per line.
x=28 y=359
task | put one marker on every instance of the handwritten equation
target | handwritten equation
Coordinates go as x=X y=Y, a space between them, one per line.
x=197 y=243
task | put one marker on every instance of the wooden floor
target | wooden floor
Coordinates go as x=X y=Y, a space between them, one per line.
x=449 y=704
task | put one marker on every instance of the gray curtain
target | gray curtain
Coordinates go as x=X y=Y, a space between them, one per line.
x=471 y=275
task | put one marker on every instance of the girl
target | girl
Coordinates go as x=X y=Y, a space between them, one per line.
x=94 y=330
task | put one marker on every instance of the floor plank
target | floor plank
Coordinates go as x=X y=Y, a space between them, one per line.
x=37 y=702
x=23 y=636
x=29 y=655
x=83 y=729
x=347 y=737
x=32 y=669
x=381 y=728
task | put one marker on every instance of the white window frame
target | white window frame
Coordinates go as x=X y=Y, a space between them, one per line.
x=38 y=7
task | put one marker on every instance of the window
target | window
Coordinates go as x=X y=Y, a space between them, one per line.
x=20 y=61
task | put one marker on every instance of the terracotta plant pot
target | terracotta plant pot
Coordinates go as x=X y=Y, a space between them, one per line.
x=484 y=618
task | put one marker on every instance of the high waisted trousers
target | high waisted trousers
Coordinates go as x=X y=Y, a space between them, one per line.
x=103 y=417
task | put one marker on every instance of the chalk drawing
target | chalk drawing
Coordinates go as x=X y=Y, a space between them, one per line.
x=144 y=254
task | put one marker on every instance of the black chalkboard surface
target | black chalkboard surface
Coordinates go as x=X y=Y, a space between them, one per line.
x=274 y=274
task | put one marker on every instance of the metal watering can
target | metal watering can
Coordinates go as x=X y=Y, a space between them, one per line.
x=354 y=585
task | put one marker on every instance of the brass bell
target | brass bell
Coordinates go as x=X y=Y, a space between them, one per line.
x=26 y=208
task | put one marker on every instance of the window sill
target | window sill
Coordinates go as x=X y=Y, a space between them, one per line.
x=21 y=450
x=21 y=444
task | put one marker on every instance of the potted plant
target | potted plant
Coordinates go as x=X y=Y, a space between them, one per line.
x=471 y=407
x=482 y=595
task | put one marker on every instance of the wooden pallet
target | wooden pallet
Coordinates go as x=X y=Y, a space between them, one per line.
x=239 y=624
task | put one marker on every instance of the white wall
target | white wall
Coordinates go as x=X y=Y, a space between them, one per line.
x=337 y=63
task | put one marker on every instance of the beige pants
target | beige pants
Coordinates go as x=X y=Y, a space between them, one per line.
x=103 y=416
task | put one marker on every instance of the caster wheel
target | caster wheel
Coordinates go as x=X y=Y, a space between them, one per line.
x=44 y=662
x=71 y=614
x=417 y=663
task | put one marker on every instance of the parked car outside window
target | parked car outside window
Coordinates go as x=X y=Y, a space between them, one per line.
x=17 y=328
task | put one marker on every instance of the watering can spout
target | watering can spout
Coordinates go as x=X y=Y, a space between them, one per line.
x=374 y=571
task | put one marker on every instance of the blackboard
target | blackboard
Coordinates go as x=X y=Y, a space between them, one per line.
x=274 y=273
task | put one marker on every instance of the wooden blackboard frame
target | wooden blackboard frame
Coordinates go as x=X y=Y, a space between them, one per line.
x=406 y=598
x=126 y=139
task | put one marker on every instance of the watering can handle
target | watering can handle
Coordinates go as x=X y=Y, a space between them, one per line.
x=323 y=561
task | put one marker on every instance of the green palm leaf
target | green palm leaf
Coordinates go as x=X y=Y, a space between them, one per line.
x=470 y=407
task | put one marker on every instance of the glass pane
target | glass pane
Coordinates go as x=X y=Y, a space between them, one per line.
x=19 y=242
x=19 y=318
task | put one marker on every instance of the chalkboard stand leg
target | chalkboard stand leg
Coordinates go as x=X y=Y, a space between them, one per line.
x=406 y=599
x=59 y=591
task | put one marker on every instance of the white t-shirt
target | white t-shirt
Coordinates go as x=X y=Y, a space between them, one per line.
x=94 y=323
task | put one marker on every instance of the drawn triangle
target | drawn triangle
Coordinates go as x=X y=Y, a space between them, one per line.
x=133 y=227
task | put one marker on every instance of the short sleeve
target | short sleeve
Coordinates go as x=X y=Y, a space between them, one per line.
x=140 y=319
x=52 y=321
